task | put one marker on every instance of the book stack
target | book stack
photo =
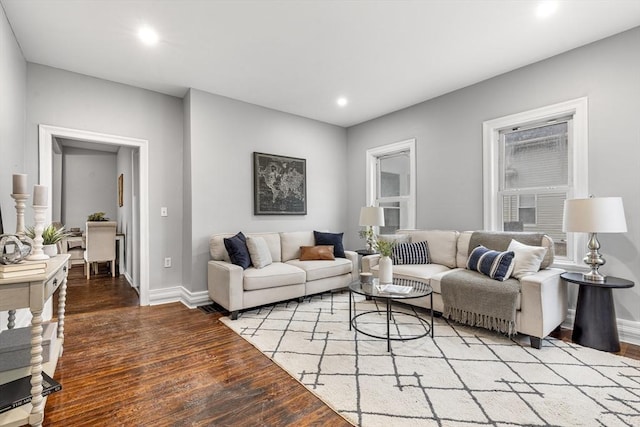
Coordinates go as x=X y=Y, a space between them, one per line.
x=17 y=393
x=25 y=268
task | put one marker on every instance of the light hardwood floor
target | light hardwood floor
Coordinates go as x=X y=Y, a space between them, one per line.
x=167 y=365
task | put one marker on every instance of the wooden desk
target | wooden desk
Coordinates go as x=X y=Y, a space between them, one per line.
x=120 y=237
x=33 y=292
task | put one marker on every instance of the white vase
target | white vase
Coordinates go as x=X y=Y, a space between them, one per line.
x=51 y=250
x=385 y=270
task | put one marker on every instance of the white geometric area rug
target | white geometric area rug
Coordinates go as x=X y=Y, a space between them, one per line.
x=463 y=377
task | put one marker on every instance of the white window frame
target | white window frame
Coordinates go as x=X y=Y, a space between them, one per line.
x=373 y=154
x=578 y=162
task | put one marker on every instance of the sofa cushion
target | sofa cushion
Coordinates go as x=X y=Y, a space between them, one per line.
x=316 y=253
x=443 y=244
x=410 y=253
x=322 y=269
x=237 y=249
x=421 y=272
x=494 y=264
x=259 y=251
x=272 y=276
x=334 y=239
x=291 y=242
x=527 y=259
x=273 y=242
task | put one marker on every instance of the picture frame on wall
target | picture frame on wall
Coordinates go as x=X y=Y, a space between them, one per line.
x=279 y=185
x=121 y=190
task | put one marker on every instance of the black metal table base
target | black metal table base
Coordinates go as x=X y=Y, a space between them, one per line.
x=388 y=314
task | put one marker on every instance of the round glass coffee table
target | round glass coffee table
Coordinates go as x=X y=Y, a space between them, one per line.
x=398 y=290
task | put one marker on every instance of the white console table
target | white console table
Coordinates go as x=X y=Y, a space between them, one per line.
x=33 y=292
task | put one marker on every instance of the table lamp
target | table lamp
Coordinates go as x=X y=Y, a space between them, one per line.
x=594 y=215
x=371 y=216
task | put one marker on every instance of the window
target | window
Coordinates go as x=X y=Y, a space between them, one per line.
x=391 y=184
x=533 y=162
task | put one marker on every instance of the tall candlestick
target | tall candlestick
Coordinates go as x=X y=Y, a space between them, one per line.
x=20 y=205
x=40 y=195
x=19 y=183
x=39 y=213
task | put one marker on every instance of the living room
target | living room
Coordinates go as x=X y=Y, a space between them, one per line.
x=200 y=147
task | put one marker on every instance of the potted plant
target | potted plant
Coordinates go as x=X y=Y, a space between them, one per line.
x=51 y=235
x=97 y=216
x=385 y=271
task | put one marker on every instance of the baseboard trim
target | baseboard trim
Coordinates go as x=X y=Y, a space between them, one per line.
x=628 y=330
x=178 y=294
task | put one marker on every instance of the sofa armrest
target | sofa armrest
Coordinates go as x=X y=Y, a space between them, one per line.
x=369 y=261
x=544 y=302
x=225 y=284
x=353 y=257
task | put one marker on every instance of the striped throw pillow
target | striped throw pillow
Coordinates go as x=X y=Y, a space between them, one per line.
x=411 y=253
x=495 y=264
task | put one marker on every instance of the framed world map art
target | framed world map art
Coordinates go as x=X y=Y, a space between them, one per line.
x=279 y=185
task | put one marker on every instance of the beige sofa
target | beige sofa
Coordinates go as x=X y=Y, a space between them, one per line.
x=285 y=278
x=542 y=303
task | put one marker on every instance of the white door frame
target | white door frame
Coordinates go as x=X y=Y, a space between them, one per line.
x=46 y=137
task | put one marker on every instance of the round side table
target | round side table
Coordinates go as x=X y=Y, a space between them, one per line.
x=595 y=320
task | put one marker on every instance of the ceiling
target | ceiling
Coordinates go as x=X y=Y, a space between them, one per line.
x=300 y=56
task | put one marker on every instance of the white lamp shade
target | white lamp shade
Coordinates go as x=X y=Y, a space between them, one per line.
x=594 y=215
x=371 y=215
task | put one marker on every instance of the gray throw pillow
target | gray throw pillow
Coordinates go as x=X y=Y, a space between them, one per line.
x=259 y=252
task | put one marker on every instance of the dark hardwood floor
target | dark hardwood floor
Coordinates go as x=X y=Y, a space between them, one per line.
x=167 y=365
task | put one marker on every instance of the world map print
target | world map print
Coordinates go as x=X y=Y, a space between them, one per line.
x=280 y=184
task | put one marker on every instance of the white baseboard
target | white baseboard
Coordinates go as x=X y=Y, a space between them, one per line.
x=178 y=294
x=628 y=330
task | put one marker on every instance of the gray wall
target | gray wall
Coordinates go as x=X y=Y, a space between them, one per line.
x=223 y=135
x=89 y=184
x=61 y=98
x=448 y=131
x=13 y=84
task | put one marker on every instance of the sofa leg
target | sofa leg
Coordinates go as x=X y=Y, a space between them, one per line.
x=437 y=314
x=234 y=315
x=300 y=300
x=536 y=342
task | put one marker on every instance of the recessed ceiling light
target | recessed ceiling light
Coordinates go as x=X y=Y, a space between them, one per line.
x=546 y=8
x=148 y=36
x=342 y=101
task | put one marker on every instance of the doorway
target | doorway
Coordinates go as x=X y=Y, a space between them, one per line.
x=140 y=179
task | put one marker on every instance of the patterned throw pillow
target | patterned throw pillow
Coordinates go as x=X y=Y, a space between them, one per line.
x=495 y=264
x=411 y=253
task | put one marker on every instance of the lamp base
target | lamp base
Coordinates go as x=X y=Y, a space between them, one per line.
x=594 y=260
x=594 y=276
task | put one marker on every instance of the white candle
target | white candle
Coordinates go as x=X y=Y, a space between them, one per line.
x=19 y=183
x=40 y=195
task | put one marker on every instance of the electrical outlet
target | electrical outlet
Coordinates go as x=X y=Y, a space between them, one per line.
x=167 y=262
x=164 y=211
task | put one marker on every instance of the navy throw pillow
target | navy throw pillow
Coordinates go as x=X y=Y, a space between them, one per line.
x=237 y=250
x=495 y=264
x=334 y=239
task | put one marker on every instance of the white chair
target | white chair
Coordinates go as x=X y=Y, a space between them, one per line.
x=100 y=245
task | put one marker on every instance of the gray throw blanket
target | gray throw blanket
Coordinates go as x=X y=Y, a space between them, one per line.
x=474 y=299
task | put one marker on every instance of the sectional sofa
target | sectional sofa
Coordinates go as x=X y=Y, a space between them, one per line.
x=285 y=277
x=541 y=300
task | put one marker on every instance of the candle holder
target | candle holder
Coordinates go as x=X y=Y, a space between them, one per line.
x=20 y=205
x=39 y=214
